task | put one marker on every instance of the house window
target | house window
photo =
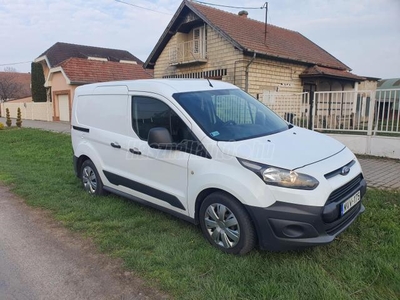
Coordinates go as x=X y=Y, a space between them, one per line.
x=200 y=41
x=196 y=40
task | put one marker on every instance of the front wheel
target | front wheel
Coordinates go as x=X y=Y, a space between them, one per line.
x=226 y=224
x=91 y=180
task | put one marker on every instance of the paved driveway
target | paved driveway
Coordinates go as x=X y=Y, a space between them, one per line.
x=63 y=127
x=381 y=173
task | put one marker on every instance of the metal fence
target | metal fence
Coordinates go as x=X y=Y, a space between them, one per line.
x=387 y=111
x=368 y=112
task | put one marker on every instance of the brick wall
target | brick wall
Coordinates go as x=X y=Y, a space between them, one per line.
x=369 y=85
x=274 y=76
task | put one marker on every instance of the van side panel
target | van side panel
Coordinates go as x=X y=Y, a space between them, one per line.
x=105 y=112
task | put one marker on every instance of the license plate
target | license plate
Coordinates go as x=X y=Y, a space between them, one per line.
x=349 y=203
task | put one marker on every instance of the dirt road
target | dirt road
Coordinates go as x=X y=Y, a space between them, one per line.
x=39 y=259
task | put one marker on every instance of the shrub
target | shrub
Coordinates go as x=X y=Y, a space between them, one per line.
x=38 y=80
x=19 y=119
x=1 y=126
x=8 y=119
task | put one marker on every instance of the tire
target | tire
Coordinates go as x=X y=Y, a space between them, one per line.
x=91 y=180
x=226 y=224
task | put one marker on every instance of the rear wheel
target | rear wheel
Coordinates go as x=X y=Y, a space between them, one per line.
x=226 y=224
x=91 y=180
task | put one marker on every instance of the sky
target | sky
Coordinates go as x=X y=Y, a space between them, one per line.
x=363 y=34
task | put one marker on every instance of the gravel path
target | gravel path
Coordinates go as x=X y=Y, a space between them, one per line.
x=40 y=259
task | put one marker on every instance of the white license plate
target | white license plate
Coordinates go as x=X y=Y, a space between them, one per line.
x=349 y=203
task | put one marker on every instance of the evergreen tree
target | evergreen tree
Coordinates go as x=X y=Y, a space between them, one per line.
x=8 y=119
x=19 y=118
x=37 y=80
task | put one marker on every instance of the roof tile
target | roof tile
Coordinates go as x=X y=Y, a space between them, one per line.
x=318 y=71
x=82 y=71
x=279 y=42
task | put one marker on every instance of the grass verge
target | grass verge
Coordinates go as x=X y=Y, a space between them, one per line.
x=363 y=263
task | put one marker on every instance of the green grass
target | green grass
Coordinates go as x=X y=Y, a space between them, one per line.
x=363 y=263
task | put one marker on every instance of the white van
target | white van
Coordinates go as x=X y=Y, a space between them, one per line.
x=209 y=153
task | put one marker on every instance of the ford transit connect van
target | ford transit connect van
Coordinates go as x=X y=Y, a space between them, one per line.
x=209 y=153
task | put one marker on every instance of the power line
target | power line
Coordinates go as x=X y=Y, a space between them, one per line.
x=141 y=7
x=15 y=63
x=229 y=6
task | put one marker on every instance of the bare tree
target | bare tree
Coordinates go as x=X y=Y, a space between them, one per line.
x=9 y=84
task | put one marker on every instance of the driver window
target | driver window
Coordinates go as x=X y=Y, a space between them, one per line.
x=148 y=113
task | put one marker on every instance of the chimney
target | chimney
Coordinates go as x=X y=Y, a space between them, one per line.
x=243 y=13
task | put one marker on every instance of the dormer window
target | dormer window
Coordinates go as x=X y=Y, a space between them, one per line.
x=132 y=62
x=97 y=58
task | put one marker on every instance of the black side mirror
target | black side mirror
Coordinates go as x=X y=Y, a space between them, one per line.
x=160 y=138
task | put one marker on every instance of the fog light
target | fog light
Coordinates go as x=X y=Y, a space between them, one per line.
x=293 y=231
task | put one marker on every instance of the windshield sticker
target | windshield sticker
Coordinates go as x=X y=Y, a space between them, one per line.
x=214 y=133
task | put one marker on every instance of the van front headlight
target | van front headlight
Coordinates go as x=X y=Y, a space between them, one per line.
x=281 y=177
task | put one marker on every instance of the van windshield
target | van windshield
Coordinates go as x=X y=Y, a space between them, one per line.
x=230 y=115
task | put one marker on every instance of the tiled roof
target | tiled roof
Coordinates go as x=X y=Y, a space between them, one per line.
x=82 y=71
x=59 y=52
x=248 y=35
x=279 y=42
x=18 y=83
x=322 y=71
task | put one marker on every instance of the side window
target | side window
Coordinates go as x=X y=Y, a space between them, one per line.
x=148 y=113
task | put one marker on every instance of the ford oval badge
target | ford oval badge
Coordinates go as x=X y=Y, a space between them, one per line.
x=345 y=170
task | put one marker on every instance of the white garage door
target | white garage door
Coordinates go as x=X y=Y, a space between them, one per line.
x=63 y=104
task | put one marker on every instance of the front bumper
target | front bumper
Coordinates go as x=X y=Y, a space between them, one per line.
x=286 y=226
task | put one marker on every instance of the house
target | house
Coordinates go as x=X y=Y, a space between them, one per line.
x=15 y=85
x=66 y=66
x=204 y=42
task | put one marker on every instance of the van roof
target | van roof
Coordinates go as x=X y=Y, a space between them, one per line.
x=160 y=86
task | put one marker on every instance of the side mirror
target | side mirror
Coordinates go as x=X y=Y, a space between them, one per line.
x=160 y=138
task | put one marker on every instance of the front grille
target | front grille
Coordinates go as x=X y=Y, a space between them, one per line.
x=345 y=190
x=339 y=170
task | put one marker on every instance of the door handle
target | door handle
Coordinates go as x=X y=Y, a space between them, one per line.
x=135 y=151
x=115 y=145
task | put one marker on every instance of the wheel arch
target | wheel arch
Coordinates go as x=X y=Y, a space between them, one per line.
x=208 y=191
x=79 y=163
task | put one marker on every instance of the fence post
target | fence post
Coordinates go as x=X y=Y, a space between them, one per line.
x=313 y=102
x=371 y=116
